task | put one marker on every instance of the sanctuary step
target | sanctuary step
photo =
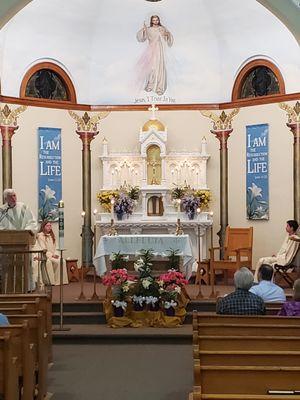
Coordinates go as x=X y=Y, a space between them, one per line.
x=90 y=312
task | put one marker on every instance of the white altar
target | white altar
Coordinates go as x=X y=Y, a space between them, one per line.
x=130 y=244
x=156 y=171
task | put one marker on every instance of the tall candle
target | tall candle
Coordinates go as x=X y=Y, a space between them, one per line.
x=211 y=231
x=112 y=202
x=61 y=225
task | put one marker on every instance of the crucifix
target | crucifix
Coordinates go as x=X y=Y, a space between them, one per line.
x=153 y=109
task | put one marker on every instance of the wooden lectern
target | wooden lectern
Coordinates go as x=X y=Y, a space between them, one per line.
x=15 y=260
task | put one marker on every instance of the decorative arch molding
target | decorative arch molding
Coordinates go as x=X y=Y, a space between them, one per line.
x=250 y=66
x=71 y=94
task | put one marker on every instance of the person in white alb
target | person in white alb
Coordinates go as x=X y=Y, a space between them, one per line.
x=287 y=251
x=16 y=215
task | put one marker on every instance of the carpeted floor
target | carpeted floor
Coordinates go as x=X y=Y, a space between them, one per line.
x=140 y=371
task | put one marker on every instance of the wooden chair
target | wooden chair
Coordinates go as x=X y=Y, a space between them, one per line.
x=238 y=252
x=285 y=271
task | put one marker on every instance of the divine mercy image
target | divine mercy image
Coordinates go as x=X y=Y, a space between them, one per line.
x=152 y=70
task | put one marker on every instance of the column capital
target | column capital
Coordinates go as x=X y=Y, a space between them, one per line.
x=7 y=133
x=8 y=117
x=87 y=123
x=86 y=137
x=293 y=113
x=222 y=136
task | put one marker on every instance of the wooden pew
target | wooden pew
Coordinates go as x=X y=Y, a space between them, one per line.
x=236 y=357
x=25 y=354
x=44 y=304
x=38 y=336
x=9 y=385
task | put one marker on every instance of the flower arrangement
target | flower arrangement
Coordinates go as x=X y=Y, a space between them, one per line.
x=191 y=199
x=170 y=288
x=118 y=260
x=120 y=283
x=147 y=287
x=105 y=198
x=125 y=198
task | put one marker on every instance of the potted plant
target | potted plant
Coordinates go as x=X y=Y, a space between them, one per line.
x=119 y=282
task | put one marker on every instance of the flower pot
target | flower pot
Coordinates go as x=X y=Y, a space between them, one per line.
x=154 y=307
x=118 y=312
x=138 y=307
x=170 y=312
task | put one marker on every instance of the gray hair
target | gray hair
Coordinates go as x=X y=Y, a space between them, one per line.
x=8 y=192
x=243 y=278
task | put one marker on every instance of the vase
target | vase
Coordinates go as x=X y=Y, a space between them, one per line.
x=118 y=312
x=119 y=216
x=170 y=312
x=191 y=215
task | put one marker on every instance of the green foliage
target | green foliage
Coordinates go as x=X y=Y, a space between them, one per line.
x=173 y=259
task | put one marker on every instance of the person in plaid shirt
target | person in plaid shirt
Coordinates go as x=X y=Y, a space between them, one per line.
x=241 y=301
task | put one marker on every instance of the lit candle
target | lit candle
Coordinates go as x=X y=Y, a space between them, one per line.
x=198 y=211
x=61 y=225
x=95 y=212
x=112 y=202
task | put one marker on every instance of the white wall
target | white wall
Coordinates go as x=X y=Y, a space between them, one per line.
x=95 y=42
x=185 y=129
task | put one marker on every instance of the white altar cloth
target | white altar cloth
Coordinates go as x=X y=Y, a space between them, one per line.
x=130 y=244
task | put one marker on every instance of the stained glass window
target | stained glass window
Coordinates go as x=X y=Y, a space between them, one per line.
x=46 y=84
x=261 y=81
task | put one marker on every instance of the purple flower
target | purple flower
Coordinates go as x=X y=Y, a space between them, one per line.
x=124 y=205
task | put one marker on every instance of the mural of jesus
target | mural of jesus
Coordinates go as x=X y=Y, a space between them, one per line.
x=152 y=65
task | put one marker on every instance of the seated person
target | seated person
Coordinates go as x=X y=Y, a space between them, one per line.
x=287 y=251
x=45 y=240
x=3 y=320
x=292 y=308
x=241 y=301
x=266 y=289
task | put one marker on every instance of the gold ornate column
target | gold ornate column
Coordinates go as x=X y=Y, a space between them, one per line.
x=222 y=129
x=293 y=114
x=87 y=129
x=8 y=126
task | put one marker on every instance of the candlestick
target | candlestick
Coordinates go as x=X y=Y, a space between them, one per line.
x=61 y=225
x=211 y=231
x=178 y=208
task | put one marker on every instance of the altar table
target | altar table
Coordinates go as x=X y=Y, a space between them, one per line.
x=130 y=244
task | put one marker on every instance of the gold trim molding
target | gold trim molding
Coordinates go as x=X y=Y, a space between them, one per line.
x=222 y=122
x=293 y=113
x=8 y=117
x=86 y=123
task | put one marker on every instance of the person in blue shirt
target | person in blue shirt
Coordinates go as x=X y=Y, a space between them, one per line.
x=266 y=289
x=3 y=320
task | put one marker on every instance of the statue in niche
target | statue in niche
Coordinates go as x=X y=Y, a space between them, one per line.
x=153 y=165
x=155 y=206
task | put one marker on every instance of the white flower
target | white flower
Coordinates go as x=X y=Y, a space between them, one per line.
x=138 y=264
x=126 y=258
x=146 y=283
x=155 y=254
x=125 y=287
x=177 y=289
x=112 y=257
x=161 y=283
x=255 y=191
x=49 y=193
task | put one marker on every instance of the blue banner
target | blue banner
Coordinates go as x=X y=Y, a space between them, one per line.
x=257 y=175
x=50 y=174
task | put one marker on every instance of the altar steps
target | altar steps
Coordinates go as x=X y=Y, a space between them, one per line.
x=91 y=312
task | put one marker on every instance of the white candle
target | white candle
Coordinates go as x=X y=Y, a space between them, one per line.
x=112 y=202
x=211 y=231
x=95 y=212
x=61 y=225
x=178 y=208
